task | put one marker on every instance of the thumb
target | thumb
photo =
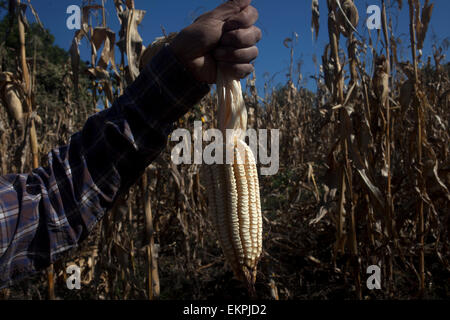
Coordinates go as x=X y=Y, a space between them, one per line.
x=229 y=8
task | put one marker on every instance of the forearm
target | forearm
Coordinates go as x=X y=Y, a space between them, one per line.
x=51 y=210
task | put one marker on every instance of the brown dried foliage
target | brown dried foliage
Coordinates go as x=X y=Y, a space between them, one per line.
x=364 y=179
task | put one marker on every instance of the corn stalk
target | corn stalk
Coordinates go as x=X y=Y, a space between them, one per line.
x=150 y=249
x=28 y=108
x=413 y=11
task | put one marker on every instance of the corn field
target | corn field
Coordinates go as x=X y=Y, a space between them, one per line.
x=364 y=172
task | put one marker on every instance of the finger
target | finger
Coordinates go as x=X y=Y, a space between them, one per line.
x=237 y=71
x=230 y=54
x=244 y=19
x=241 y=38
x=229 y=9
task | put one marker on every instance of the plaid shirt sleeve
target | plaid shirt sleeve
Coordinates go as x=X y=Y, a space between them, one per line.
x=51 y=210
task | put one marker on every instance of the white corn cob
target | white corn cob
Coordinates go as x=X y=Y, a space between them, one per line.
x=233 y=189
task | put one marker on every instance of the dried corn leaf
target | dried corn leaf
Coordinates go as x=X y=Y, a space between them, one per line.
x=130 y=41
x=427 y=11
x=381 y=80
x=22 y=14
x=118 y=4
x=107 y=37
x=35 y=14
x=130 y=4
x=347 y=17
x=107 y=87
x=406 y=94
x=431 y=169
x=86 y=10
x=360 y=165
x=286 y=42
x=75 y=56
x=315 y=18
x=74 y=50
x=323 y=211
x=98 y=73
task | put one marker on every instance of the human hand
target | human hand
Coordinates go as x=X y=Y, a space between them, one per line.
x=225 y=37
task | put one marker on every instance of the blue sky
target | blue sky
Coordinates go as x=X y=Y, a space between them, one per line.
x=278 y=20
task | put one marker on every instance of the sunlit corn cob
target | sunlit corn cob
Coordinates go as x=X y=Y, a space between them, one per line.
x=235 y=211
x=233 y=190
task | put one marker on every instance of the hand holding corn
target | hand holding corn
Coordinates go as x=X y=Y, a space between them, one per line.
x=224 y=37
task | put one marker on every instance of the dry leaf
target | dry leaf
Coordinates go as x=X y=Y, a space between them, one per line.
x=315 y=18
x=381 y=80
x=130 y=41
x=107 y=37
x=286 y=42
x=98 y=73
x=347 y=18
x=35 y=14
x=75 y=56
x=427 y=11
